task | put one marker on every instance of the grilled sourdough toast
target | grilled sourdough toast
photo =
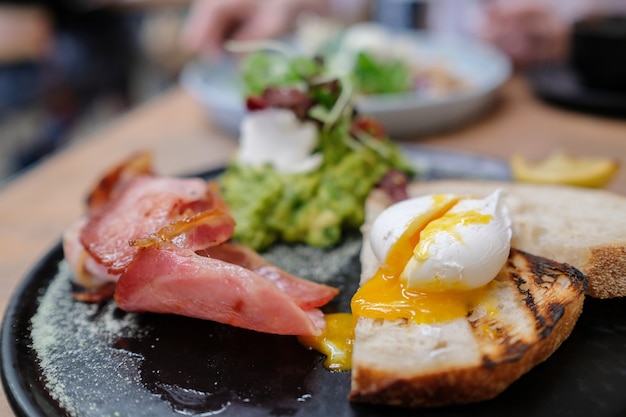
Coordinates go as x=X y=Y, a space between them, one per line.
x=531 y=308
x=585 y=228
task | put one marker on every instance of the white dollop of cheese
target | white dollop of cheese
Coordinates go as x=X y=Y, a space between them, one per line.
x=277 y=137
x=461 y=248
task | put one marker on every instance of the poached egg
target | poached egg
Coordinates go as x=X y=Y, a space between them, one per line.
x=437 y=256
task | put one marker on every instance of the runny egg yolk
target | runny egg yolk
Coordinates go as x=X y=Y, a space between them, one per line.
x=335 y=342
x=386 y=295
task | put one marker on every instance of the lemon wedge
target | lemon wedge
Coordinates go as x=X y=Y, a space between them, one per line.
x=558 y=168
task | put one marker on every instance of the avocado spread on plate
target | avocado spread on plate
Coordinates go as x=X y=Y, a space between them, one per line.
x=317 y=205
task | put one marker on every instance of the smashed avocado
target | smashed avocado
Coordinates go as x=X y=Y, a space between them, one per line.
x=314 y=208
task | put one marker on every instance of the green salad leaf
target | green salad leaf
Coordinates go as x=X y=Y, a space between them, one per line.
x=260 y=70
x=375 y=76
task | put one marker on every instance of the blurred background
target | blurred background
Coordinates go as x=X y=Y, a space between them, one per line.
x=67 y=67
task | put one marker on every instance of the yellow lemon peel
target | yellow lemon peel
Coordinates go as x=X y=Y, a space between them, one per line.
x=558 y=168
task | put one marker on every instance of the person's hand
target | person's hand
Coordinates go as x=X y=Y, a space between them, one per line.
x=529 y=33
x=211 y=22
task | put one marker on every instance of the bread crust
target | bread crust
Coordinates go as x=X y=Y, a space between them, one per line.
x=549 y=299
x=606 y=271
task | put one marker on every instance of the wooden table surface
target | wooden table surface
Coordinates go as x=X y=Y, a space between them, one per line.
x=37 y=206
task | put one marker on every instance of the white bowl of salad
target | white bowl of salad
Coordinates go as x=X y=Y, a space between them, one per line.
x=413 y=82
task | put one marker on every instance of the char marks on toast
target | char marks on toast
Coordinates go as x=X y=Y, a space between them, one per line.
x=536 y=303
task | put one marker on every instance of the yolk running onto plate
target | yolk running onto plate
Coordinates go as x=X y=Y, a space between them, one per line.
x=335 y=342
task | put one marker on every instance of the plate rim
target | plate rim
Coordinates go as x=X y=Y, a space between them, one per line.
x=19 y=397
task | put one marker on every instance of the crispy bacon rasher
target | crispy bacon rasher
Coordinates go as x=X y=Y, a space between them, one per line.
x=162 y=245
x=176 y=209
x=138 y=164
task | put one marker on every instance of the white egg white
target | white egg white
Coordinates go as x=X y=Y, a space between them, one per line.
x=468 y=256
x=391 y=224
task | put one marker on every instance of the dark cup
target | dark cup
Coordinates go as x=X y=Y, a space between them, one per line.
x=598 y=51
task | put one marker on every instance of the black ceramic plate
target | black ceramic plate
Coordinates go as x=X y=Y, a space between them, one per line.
x=65 y=358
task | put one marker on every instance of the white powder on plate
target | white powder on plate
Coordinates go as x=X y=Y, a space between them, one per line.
x=81 y=368
x=75 y=342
